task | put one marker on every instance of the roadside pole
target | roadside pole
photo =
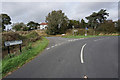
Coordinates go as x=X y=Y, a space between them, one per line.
x=73 y=30
x=20 y=48
x=86 y=31
x=94 y=30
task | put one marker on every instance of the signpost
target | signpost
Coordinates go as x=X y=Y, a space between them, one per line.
x=86 y=31
x=75 y=32
x=10 y=43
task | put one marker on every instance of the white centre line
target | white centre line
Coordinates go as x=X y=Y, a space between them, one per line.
x=82 y=53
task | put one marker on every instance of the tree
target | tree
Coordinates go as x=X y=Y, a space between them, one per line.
x=32 y=25
x=119 y=25
x=97 y=18
x=63 y=27
x=92 y=20
x=6 y=20
x=19 y=26
x=107 y=27
x=70 y=24
x=57 y=22
x=102 y=15
x=74 y=23
x=0 y=23
x=25 y=28
x=82 y=24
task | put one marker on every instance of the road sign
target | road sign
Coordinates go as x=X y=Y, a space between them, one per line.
x=10 y=43
x=75 y=30
x=86 y=28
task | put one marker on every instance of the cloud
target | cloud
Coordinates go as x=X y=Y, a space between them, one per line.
x=89 y=7
x=119 y=10
x=60 y=0
x=0 y=7
x=37 y=11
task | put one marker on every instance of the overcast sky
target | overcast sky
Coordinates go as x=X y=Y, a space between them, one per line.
x=37 y=11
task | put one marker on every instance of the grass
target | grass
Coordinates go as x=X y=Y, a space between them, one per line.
x=26 y=37
x=79 y=36
x=28 y=53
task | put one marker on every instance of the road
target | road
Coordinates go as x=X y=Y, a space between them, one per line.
x=74 y=58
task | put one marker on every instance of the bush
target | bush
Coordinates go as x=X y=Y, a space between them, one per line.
x=10 y=36
x=27 y=38
x=32 y=34
x=81 y=32
x=107 y=27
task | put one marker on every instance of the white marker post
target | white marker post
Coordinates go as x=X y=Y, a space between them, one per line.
x=86 y=31
x=73 y=30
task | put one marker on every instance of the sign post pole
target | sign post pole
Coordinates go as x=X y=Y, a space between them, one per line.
x=20 y=48
x=86 y=31
x=73 y=30
x=8 y=50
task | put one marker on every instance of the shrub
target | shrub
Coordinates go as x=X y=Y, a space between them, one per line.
x=81 y=32
x=107 y=27
x=27 y=38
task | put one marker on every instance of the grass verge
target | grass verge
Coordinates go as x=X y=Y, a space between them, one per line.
x=28 y=53
x=71 y=36
x=79 y=36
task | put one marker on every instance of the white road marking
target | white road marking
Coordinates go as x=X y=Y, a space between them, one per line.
x=99 y=39
x=56 y=44
x=96 y=40
x=52 y=46
x=85 y=77
x=74 y=40
x=71 y=40
x=47 y=48
x=82 y=53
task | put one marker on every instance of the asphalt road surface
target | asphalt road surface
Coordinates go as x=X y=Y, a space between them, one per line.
x=74 y=58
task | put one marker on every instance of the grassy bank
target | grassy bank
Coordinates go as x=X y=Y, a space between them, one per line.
x=81 y=36
x=28 y=53
x=78 y=36
x=26 y=37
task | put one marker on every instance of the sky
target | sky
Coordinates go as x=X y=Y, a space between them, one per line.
x=32 y=10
